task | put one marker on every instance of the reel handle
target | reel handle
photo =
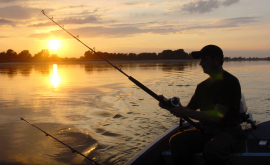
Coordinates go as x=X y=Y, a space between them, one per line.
x=169 y=103
x=174 y=101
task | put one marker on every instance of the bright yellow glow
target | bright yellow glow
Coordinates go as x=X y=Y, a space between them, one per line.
x=92 y=148
x=54 y=44
x=55 y=78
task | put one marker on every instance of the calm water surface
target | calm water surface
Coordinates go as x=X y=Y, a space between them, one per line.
x=98 y=111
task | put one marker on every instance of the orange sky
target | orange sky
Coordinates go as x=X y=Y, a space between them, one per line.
x=239 y=27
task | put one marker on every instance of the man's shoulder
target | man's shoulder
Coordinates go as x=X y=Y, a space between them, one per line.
x=229 y=77
x=203 y=83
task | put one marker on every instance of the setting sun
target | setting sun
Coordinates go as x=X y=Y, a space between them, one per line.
x=54 y=44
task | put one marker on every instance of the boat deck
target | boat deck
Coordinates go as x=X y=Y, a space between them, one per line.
x=249 y=152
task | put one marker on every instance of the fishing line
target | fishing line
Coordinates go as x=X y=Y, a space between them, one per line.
x=131 y=40
x=170 y=103
x=72 y=149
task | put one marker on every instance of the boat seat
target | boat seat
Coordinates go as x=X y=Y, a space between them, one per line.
x=248 y=152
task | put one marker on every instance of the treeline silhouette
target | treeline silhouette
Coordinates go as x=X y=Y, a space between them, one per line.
x=165 y=54
x=25 y=55
x=45 y=55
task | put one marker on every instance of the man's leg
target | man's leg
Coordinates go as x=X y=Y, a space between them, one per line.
x=184 y=144
x=217 y=150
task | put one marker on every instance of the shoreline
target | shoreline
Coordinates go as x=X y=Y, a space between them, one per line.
x=80 y=60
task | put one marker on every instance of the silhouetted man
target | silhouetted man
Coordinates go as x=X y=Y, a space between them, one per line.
x=218 y=101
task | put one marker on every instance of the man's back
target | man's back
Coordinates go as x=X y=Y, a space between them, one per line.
x=224 y=91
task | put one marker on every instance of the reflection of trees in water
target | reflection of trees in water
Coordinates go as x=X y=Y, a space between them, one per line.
x=24 y=70
x=43 y=69
x=105 y=67
x=142 y=65
x=167 y=66
x=90 y=68
x=177 y=66
x=147 y=66
x=193 y=64
x=12 y=71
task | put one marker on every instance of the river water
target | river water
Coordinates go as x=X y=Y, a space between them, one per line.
x=98 y=111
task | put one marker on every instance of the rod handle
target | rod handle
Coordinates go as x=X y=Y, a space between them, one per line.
x=162 y=100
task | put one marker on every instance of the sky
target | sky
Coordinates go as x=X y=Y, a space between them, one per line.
x=239 y=27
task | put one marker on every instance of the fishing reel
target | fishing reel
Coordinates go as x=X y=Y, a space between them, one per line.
x=169 y=103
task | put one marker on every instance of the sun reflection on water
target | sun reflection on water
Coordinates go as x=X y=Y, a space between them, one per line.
x=90 y=149
x=55 y=78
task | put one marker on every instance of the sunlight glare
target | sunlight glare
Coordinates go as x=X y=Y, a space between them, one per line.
x=55 y=78
x=54 y=44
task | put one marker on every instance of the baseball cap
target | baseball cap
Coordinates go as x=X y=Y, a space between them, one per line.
x=209 y=50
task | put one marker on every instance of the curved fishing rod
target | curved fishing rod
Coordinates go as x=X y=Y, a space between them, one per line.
x=72 y=149
x=173 y=102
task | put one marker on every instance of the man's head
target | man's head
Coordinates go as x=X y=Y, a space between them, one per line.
x=211 y=58
x=212 y=51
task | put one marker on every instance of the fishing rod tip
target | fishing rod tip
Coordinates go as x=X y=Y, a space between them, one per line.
x=22 y=118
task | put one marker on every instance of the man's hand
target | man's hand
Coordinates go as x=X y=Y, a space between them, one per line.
x=179 y=111
x=162 y=105
x=214 y=115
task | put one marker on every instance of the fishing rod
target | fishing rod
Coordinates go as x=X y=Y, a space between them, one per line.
x=169 y=103
x=72 y=149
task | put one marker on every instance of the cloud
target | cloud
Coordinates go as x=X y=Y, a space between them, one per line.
x=6 y=22
x=203 y=6
x=238 y=21
x=126 y=30
x=144 y=14
x=4 y=36
x=200 y=6
x=89 y=19
x=229 y=2
x=138 y=3
x=84 y=17
x=9 y=1
x=18 y=12
x=132 y=3
x=227 y=23
x=20 y=1
x=90 y=32
x=75 y=7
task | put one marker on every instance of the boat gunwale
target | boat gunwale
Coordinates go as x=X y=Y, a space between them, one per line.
x=146 y=150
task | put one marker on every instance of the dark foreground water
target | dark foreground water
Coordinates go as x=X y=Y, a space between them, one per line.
x=99 y=111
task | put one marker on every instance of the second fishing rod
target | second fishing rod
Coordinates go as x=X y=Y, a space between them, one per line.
x=170 y=103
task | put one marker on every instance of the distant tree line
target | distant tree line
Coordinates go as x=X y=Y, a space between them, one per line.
x=45 y=55
x=165 y=54
x=11 y=55
x=244 y=58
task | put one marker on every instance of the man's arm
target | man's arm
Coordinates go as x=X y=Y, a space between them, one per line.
x=212 y=115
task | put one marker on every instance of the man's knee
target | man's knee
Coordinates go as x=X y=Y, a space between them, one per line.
x=210 y=149
x=213 y=153
x=177 y=139
x=182 y=137
x=186 y=140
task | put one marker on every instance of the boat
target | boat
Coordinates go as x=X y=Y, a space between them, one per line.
x=253 y=149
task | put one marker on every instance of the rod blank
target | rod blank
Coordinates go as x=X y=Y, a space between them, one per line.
x=72 y=149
